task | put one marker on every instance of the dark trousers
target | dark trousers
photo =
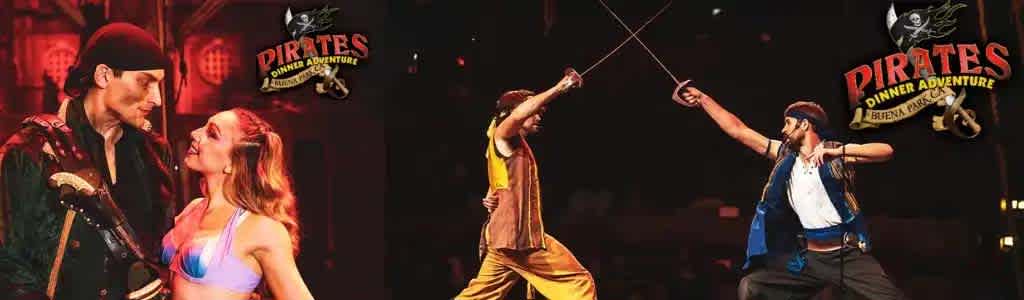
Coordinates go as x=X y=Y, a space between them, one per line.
x=863 y=278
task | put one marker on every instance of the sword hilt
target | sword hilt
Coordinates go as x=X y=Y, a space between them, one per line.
x=577 y=79
x=676 y=96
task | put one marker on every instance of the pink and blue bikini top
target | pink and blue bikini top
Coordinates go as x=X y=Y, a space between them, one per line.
x=207 y=260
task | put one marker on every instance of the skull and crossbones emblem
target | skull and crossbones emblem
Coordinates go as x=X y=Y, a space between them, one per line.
x=917 y=26
x=306 y=23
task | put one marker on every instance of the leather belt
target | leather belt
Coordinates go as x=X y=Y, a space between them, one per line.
x=848 y=240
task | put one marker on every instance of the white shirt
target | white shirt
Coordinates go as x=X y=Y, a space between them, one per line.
x=808 y=198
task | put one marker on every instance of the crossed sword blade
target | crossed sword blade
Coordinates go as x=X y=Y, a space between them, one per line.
x=630 y=37
x=633 y=35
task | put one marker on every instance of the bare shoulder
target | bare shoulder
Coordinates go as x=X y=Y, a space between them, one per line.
x=194 y=202
x=191 y=205
x=264 y=232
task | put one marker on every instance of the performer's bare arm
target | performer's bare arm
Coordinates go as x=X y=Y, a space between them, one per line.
x=274 y=252
x=854 y=153
x=511 y=125
x=732 y=125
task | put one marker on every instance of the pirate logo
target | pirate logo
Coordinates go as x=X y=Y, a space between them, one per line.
x=302 y=23
x=311 y=21
x=332 y=85
x=300 y=60
x=916 y=26
x=920 y=25
x=920 y=37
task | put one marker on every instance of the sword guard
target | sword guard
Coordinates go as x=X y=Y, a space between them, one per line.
x=577 y=80
x=677 y=97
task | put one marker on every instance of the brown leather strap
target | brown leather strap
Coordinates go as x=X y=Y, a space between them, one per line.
x=58 y=259
x=59 y=137
x=70 y=157
x=849 y=240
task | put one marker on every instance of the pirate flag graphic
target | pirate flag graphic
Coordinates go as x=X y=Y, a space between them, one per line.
x=918 y=25
x=309 y=21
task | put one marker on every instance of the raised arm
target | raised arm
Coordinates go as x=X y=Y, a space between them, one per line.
x=731 y=124
x=511 y=125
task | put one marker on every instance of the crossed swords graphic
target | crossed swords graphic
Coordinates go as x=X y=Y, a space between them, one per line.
x=633 y=36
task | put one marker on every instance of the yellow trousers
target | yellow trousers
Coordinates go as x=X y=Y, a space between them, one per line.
x=554 y=272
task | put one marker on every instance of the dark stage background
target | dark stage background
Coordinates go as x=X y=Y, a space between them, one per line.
x=632 y=182
x=389 y=181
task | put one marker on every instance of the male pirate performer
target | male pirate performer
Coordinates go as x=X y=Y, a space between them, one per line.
x=514 y=244
x=47 y=252
x=808 y=230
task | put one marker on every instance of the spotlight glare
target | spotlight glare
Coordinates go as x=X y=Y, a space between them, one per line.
x=1006 y=242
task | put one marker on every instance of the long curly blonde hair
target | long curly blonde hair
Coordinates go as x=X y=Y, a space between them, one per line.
x=260 y=181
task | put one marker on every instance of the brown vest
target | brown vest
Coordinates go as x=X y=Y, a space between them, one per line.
x=516 y=224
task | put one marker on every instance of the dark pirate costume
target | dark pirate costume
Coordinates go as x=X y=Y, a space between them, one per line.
x=34 y=227
x=781 y=265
